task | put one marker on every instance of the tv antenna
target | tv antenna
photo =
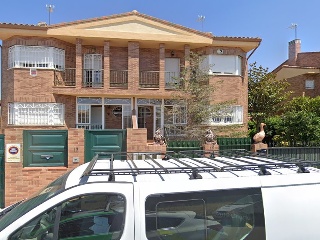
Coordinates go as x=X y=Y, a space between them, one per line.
x=201 y=19
x=50 y=10
x=295 y=27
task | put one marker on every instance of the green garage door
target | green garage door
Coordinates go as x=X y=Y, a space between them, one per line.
x=45 y=148
x=97 y=141
x=1 y=170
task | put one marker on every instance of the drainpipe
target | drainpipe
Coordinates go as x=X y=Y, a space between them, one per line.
x=253 y=51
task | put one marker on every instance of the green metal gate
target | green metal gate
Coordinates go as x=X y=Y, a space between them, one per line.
x=1 y=170
x=45 y=148
x=97 y=141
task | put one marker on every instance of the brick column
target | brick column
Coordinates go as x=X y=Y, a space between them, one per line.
x=133 y=65
x=162 y=81
x=79 y=63
x=186 y=56
x=75 y=146
x=106 y=65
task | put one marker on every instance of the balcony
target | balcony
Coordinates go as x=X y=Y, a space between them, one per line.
x=171 y=79
x=89 y=126
x=65 y=78
x=92 y=78
x=149 y=79
x=119 y=78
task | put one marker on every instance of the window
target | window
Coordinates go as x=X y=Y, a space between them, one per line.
x=225 y=214
x=36 y=114
x=222 y=64
x=172 y=72
x=175 y=119
x=309 y=84
x=228 y=115
x=95 y=216
x=92 y=70
x=36 y=57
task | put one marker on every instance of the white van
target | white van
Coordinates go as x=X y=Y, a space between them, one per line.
x=192 y=195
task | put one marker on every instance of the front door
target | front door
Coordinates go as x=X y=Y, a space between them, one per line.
x=145 y=119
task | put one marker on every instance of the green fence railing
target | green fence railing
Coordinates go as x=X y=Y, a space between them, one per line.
x=181 y=145
x=302 y=153
x=234 y=143
x=224 y=144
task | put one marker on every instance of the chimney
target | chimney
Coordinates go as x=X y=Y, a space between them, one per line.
x=294 y=49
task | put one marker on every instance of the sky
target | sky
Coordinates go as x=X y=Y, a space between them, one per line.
x=269 y=20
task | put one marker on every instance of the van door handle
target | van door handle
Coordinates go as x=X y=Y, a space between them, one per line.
x=46 y=156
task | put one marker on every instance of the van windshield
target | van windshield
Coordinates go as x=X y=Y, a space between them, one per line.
x=15 y=211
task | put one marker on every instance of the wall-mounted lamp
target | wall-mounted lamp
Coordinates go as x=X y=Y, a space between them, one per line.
x=172 y=53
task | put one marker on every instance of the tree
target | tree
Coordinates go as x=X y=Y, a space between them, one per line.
x=301 y=128
x=301 y=121
x=267 y=95
x=193 y=98
x=298 y=125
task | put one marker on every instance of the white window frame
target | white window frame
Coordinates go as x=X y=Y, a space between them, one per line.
x=309 y=84
x=172 y=72
x=179 y=120
x=92 y=66
x=41 y=57
x=179 y=113
x=228 y=116
x=36 y=114
x=222 y=64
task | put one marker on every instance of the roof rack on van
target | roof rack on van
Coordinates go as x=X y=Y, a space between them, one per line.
x=230 y=161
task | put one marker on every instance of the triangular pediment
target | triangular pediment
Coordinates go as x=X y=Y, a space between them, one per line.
x=131 y=26
x=134 y=26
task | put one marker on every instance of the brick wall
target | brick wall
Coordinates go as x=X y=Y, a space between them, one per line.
x=133 y=66
x=18 y=85
x=149 y=59
x=118 y=58
x=298 y=87
x=112 y=121
x=23 y=182
x=137 y=142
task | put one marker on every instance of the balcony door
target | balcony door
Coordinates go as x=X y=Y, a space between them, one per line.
x=92 y=70
x=172 y=71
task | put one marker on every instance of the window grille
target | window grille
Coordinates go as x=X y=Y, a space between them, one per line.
x=36 y=57
x=228 y=115
x=36 y=114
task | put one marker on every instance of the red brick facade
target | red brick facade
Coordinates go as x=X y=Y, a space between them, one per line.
x=299 y=68
x=124 y=52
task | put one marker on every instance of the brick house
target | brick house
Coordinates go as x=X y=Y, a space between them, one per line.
x=302 y=71
x=91 y=75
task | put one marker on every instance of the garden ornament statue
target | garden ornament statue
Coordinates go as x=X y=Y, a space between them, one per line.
x=210 y=138
x=158 y=138
x=258 y=137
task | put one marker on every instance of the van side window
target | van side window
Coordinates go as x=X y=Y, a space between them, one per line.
x=224 y=214
x=95 y=215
